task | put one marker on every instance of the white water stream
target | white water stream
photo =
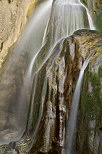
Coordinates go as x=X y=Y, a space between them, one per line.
x=15 y=81
x=66 y=17
x=72 y=121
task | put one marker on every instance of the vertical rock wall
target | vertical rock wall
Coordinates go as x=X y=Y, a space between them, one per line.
x=13 y=17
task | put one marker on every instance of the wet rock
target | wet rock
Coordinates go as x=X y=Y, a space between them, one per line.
x=95 y=8
x=90 y=114
x=52 y=94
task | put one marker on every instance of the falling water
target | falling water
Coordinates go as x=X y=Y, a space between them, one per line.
x=71 y=130
x=66 y=17
x=15 y=80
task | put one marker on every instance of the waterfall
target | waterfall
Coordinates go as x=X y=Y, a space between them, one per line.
x=15 y=80
x=72 y=121
x=66 y=17
x=28 y=57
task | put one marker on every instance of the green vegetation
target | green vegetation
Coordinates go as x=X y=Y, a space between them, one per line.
x=92 y=99
x=99 y=22
x=96 y=55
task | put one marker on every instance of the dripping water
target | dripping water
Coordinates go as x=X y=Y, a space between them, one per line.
x=72 y=121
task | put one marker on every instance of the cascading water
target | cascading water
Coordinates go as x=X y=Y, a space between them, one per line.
x=71 y=129
x=66 y=17
x=15 y=80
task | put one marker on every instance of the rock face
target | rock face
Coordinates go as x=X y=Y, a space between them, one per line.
x=95 y=8
x=52 y=94
x=93 y=5
x=53 y=88
x=13 y=17
x=89 y=136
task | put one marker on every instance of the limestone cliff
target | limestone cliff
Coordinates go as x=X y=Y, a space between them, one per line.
x=13 y=17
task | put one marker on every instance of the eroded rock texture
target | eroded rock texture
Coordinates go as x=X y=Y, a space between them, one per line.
x=95 y=8
x=13 y=17
x=52 y=93
x=89 y=137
